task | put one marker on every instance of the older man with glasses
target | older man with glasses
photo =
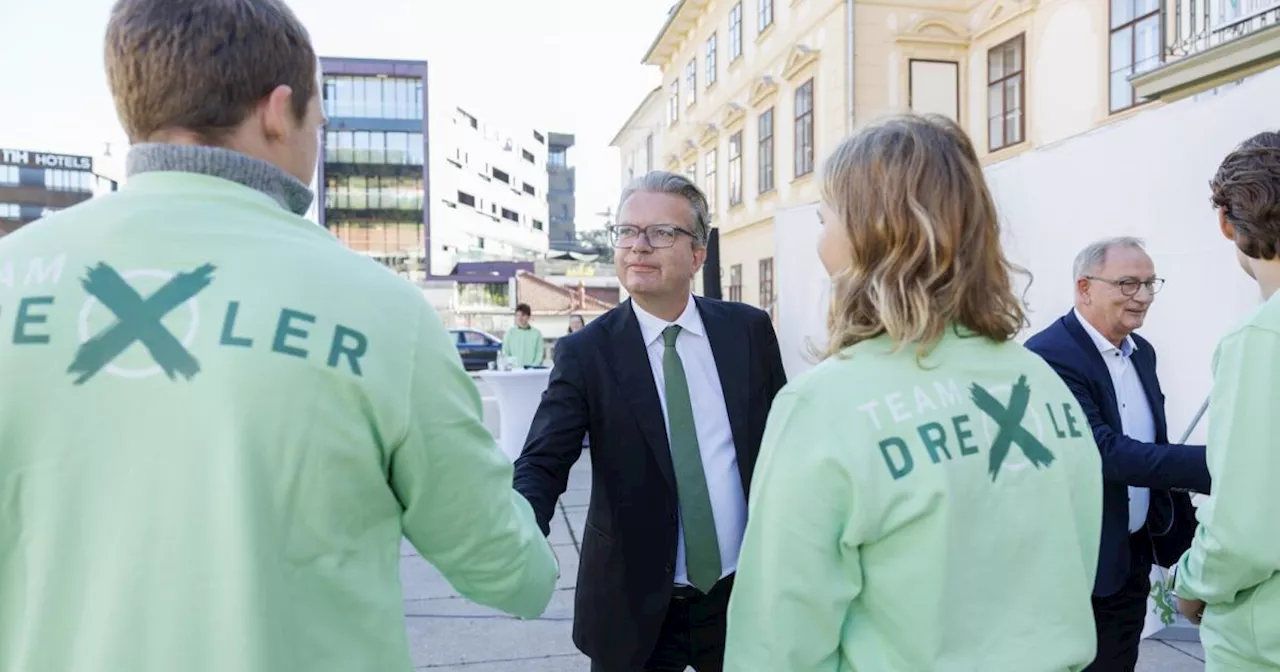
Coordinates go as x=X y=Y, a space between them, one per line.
x=1147 y=517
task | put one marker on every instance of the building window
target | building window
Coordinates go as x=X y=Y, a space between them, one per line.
x=735 y=32
x=538 y=136
x=10 y=211
x=528 y=156
x=1005 y=94
x=1135 y=47
x=709 y=169
x=766 y=15
x=691 y=172
x=673 y=103
x=528 y=189
x=765 y=151
x=934 y=87
x=804 y=129
x=735 y=282
x=466 y=199
x=766 y=285
x=735 y=169
x=8 y=175
x=373 y=97
x=558 y=157
x=375 y=193
x=691 y=81
x=501 y=176
x=510 y=215
x=537 y=225
x=711 y=60
x=648 y=153
x=68 y=180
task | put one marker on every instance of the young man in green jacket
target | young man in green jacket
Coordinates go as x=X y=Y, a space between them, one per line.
x=1229 y=581
x=216 y=423
x=523 y=345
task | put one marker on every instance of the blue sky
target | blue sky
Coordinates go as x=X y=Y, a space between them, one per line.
x=569 y=65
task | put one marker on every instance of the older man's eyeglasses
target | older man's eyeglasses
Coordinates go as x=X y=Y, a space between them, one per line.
x=1130 y=286
x=624 y=236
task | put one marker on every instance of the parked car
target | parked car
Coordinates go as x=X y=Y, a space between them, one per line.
x=477 y=348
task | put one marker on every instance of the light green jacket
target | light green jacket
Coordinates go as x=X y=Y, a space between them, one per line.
x=525 y=347
x=216 y=424
x=1234 y=562
x=909 y=519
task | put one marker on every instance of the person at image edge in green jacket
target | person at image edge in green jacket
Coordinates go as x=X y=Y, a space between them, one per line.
x=928 y=497
x=217 y=422
x=1229 y=580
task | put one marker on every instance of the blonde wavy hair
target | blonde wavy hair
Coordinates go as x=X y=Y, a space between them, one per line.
x=910 y=196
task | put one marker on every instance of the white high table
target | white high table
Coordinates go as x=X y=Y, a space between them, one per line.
x=518 y=392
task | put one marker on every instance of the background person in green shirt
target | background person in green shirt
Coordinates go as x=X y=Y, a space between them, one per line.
x=929 y=497
x=216 y=422
x=523 y=345
x=1229 y=581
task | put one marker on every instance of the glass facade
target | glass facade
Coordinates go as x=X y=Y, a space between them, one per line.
x=373 y=97
x=375 y=147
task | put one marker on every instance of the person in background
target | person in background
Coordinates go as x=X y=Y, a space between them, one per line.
x=928 y=496
x=1111 y=370
x=219 y=422
x=523 y=345
x=1229 y=581
x=674 y=390
x=576 y=323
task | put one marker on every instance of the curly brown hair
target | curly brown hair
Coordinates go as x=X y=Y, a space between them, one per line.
x=1247 y=191
x=910 y=194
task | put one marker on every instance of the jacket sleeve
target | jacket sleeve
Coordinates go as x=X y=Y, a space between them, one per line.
x=459 y=509
x=773 y=356
x=555 y=437
x=799 y=569
x=1131 y=462
x=1236 y=546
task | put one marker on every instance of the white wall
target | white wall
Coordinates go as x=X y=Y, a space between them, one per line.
x=1146 y=176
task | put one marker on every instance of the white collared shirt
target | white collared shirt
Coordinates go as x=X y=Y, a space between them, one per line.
x=1136 y=419
x=711 y=420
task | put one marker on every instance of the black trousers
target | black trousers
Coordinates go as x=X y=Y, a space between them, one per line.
x=1119 y=618
x=693 y=632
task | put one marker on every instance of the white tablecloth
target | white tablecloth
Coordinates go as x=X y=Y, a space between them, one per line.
x=518 y=393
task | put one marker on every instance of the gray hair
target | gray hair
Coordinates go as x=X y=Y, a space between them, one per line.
x=663 y=182
x=1092 y=257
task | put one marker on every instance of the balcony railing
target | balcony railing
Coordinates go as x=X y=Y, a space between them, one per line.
x=1195 y=26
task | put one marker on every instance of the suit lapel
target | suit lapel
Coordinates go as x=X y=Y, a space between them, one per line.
x=733 y=362
x=1143 y=364
x=1099 y=373
x=630 y=361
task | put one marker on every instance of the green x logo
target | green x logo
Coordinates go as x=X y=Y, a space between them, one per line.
x=138 y=320
x=1009 y=423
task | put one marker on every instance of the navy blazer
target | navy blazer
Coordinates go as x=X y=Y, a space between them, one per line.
x=602 y=385
x=1168 y=470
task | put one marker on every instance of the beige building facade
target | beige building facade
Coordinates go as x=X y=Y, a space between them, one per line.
x=755 y=93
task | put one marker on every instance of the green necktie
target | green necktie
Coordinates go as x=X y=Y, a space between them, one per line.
x=702 y=549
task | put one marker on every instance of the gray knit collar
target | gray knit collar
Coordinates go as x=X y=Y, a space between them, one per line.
x=287 y=190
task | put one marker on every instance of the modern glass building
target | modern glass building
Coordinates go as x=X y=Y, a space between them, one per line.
x=34 y=184
x=373 y=178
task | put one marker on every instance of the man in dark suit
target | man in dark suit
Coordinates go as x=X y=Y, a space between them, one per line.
x=1147 y=516
x=674 y=391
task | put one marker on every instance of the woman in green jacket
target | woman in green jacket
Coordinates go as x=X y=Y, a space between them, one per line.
x=929 y=496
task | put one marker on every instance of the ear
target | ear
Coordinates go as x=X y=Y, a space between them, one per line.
x=276 y=112
x=1082 y=290
x=1228 y=229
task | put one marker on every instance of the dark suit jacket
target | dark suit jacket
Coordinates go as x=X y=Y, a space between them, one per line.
x=1067 y=347
x=602 y=384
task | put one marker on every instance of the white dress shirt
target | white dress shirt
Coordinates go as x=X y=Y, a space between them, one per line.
x=1136 y=419
x=711 y=420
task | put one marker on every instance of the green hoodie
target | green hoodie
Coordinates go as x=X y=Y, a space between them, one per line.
x=1234 y=563
x=216 y=423
x=906 y=518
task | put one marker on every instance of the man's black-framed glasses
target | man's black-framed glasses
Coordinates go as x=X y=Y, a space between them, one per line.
x=1130 y=286
x=624 y=236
